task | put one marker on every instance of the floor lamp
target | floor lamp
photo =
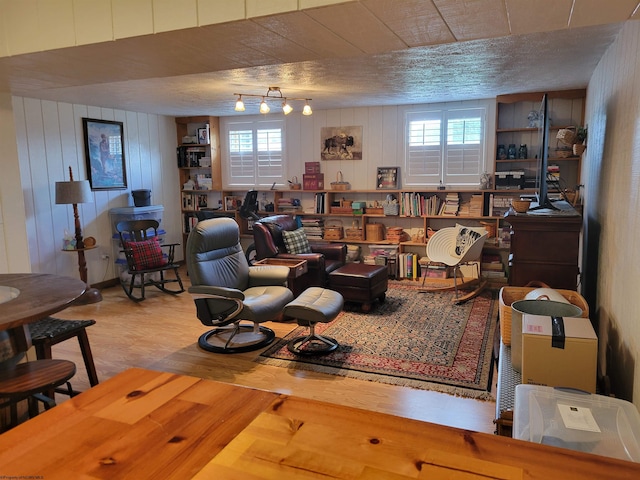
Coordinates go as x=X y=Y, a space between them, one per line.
x=73 y=193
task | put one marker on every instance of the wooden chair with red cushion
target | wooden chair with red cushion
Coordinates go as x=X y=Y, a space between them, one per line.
x=148 y=259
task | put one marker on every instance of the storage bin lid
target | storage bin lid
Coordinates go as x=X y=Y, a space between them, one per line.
x=578 y=421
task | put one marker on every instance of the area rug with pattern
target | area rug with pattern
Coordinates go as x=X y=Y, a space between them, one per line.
x=420 y=340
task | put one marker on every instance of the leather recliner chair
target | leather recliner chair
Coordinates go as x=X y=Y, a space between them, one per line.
x=324 y=259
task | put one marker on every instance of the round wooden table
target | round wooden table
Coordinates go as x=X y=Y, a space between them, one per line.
x=33 y=296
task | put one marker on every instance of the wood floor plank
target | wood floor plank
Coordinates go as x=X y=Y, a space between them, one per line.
x=161 y=333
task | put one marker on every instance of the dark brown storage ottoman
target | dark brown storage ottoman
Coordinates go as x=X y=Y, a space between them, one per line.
x=360 y=283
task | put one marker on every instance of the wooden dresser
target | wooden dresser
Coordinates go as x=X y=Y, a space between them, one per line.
x=544 y=248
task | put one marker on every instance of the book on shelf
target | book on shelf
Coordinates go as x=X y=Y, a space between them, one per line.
x=190 y=221
x=451 y=204
x=493 y=273
x=319 y=202
x=497 y=267
x=188 y=201
x=313 y=227
x=408 y=265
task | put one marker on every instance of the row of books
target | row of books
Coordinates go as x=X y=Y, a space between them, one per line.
x=190 y=221
x=413 y=204
x=408 y=266
x=193 y=157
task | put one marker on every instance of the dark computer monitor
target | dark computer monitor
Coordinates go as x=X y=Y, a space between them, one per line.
x=542 y=193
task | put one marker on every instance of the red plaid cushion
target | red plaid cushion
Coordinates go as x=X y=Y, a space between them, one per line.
x=147 y=254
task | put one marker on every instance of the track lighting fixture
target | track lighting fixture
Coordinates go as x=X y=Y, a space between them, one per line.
x=273 y=93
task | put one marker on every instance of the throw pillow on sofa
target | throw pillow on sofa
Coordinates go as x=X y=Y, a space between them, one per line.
x=296 y=241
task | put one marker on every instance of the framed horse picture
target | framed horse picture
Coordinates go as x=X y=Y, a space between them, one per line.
x=341 y=143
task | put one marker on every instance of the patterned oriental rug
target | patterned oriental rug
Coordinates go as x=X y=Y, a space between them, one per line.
x=420 y=340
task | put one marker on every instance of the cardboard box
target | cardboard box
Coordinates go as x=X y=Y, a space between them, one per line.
x=313 y=181
x=556 y=360
x=311 y=167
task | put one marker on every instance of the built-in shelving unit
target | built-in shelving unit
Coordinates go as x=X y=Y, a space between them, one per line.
x=566 y=110
x=199 y=166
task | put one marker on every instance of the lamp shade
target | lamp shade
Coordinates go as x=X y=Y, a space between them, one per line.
x=73 y=192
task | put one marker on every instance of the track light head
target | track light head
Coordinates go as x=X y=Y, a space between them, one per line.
x=264 y=108
x=239 y=104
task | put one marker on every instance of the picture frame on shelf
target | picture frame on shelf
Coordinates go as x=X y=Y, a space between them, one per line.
x=104 y=154
x=388 y=178
x=232 y=202
x=203 y=136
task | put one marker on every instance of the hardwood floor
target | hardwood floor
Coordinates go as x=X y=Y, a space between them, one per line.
x=161 y=333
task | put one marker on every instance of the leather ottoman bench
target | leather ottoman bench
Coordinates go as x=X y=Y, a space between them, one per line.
x=360 y=283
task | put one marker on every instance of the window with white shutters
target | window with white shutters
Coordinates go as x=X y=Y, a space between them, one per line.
x=256 y=153
x=445 y=145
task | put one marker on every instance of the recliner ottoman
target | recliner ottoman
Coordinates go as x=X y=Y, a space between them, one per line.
x=360 y=283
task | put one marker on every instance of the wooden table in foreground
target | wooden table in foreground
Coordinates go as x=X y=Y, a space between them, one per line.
x=147 y=424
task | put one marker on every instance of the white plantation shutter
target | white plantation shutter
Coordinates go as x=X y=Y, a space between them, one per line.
x=445 y=146
x=241 y=164
x=463 y=154
x=424 y=159
x=269 y=154
x=256 y=153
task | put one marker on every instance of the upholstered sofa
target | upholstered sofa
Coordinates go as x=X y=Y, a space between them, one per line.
x=324 y=258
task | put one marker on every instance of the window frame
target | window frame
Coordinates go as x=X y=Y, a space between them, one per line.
x=445 y=113
x=257 y=176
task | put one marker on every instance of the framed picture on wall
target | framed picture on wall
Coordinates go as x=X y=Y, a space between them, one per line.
x=341 y=143
x=388 y=178
x=104 y=154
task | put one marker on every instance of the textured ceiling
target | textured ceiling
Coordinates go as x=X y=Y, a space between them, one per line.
x=366 y=53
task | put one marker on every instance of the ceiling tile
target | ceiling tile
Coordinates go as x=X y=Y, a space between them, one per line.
x=473 y=19
x=416 y=22
x=597 y=12
x=301 y=29
x=358 y=26
x=528 y=16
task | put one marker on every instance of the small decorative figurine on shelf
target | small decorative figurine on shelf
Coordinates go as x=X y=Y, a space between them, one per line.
x=485 y=181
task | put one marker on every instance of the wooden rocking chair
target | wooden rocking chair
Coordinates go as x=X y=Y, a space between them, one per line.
x=147 y=262
x=457 y=246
